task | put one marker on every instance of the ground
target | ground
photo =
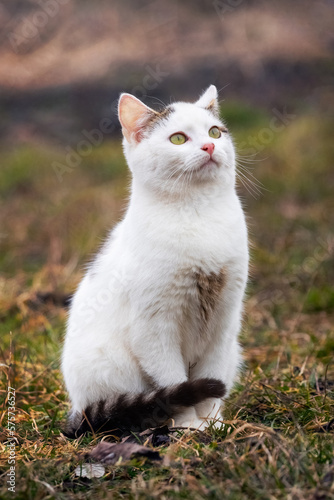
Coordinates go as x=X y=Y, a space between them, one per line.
x=278 y=437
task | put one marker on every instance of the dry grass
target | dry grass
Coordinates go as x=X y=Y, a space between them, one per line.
x=277 y=442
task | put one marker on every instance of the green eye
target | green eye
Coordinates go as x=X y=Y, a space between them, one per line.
x=214 y=132
x=178 y=139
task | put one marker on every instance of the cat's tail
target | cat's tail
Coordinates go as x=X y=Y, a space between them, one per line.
x=143 y=411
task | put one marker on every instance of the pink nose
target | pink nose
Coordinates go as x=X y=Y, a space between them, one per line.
x=209 y=148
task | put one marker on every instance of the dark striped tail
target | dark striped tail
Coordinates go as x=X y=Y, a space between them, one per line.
x=144 y=411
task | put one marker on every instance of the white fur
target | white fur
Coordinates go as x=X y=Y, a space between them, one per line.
x=134 y=319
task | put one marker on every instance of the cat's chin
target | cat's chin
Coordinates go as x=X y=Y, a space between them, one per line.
x=206 y=169
x=208 y=164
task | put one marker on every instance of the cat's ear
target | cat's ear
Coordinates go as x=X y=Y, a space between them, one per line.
x=134 y=117
x=209 y=100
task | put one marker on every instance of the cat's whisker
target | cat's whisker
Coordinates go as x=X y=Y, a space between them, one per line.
x=253 y=186
x=246 y=171
x=248 y=168
x=158 y=100
x=250 y=185
x=245 y=152
x=183 y=183
x=250 y=160
x=172 y=173
x=251 y=156
x=177 y=180
x=185 y=174
x=189 y=176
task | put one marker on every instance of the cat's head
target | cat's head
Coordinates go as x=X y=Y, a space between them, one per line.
x=182 y=146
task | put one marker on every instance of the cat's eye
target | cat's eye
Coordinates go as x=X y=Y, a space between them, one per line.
x=178 y=138
x=214 y=132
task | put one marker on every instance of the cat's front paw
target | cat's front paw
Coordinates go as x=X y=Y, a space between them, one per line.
x=192 y=424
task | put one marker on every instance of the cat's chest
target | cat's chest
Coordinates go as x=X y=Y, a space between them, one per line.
x=204 y=237
x=200 y=246
x=186 y=256
x=193 y=294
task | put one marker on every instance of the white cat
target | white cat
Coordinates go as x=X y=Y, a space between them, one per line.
x=153 y=328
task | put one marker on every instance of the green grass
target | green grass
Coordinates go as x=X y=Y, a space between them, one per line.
x=278 y=438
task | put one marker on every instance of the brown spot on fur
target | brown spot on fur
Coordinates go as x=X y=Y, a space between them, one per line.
x=159 y=116
x=146 y=125
x=213 y=107
x=223 y=129
x=209 y=287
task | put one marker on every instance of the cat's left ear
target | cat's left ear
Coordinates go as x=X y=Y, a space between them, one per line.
x=134 y=117
x=209 y=100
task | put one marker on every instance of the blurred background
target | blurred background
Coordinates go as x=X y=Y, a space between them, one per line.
x=64 y=181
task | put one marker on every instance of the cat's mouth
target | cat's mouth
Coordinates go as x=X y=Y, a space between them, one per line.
x=210 y=163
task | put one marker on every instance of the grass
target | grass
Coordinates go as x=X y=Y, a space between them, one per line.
x=278 y=438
